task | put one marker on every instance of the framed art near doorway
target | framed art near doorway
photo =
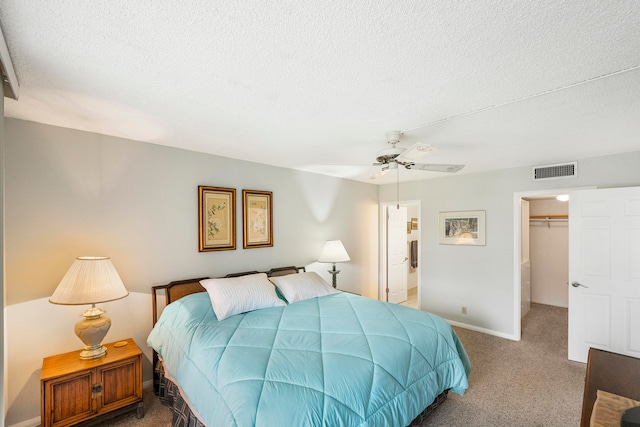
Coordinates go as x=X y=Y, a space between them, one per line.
x=462 y=228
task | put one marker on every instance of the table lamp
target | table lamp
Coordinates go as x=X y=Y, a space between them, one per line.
x=334 y=251
x=90 y=280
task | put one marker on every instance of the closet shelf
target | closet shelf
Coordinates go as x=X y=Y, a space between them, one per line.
x=549 y=218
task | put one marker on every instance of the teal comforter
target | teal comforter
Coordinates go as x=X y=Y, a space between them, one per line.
x=337 y=360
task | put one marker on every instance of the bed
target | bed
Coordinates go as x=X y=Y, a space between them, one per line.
x=308 y=355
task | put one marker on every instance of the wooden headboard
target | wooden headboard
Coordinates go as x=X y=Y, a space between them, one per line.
x=175 y=290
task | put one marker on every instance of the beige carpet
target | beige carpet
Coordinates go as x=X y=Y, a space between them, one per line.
x=156 y=414
x=519 y=383
x=512 y=383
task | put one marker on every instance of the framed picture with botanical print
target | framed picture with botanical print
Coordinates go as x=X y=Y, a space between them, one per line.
x=216 y=218
x=257 y=218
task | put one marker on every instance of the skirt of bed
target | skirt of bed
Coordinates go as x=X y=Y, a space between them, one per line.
x=169 y=394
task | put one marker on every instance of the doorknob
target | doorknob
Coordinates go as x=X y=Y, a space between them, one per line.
x=577 y=284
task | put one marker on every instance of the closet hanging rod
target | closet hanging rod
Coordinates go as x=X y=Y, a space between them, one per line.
x=549 y=219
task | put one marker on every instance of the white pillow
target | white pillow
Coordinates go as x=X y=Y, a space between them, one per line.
x=299 y=286
x=234 y=295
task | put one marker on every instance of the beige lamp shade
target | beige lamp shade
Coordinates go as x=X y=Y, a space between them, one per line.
x=89 y=280
x=334 y=251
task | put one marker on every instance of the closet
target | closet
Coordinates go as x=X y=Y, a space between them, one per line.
x=549 y=251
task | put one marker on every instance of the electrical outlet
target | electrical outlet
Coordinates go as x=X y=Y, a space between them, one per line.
x=464 y=310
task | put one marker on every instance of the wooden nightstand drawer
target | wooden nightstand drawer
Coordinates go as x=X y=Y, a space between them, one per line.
x=75 y=390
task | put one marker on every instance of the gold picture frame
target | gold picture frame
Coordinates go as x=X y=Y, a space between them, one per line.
x=216 y=218
x=414 y=223
x=257 y=215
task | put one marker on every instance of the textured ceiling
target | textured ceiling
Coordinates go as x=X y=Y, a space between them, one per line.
x=316 y=85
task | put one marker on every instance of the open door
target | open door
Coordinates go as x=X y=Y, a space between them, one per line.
x=604 y=271
x=396 y=254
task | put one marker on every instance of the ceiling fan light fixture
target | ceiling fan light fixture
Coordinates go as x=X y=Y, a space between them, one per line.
x=393 y=157
x=380 y=173
x=388 y=154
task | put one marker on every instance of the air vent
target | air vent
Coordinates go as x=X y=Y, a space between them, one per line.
x=567 y=170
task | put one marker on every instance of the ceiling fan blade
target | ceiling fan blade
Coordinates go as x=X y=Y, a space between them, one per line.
x=435 y=167
x=415 y=152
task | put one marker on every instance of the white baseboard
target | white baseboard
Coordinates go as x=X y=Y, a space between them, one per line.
x=33 y=422
x=483 y=330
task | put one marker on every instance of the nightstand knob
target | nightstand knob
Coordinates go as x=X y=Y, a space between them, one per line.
x=96 y=390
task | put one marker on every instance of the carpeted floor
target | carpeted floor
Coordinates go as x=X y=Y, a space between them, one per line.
x=519 y=383
x=512 y=383
x=156 y=414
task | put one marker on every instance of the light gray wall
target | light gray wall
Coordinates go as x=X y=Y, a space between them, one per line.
x=482 y=277
x=70 y=193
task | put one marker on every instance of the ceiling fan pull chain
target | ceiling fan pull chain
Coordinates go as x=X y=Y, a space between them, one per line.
x=397 y=188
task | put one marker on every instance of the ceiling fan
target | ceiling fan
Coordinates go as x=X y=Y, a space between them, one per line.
x=393 y=157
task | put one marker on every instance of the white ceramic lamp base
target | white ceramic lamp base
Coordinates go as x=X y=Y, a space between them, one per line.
x=92 y=331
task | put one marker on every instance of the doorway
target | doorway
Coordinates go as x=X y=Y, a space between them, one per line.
x=549 y=250
x=411 y=233
x=557 y=218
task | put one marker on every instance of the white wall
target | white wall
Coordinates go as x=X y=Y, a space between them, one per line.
x=482 y=277
x=70 y=193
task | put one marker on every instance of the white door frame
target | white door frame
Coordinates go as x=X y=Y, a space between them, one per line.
x=382 y=270
x=517 y=248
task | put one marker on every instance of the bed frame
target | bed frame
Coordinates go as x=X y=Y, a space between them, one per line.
x=181 y=288
x=175 y=290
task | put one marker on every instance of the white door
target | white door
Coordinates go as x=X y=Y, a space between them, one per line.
x=604 y=271
x=396 y=254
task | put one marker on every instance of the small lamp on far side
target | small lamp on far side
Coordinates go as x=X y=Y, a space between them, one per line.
x=90 y=280
x=334 y=251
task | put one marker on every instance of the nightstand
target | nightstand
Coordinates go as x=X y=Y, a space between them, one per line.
x=75 y=390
